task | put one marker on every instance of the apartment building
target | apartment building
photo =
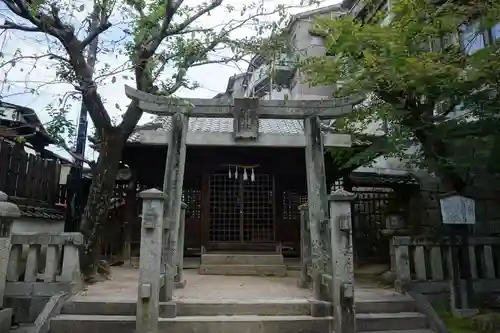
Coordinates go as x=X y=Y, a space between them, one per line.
x=276 y=76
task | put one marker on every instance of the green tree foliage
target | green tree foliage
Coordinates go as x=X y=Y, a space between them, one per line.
x=436 y=99
x=88 y=45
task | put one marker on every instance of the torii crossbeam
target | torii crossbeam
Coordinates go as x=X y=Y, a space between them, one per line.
x=267 y=109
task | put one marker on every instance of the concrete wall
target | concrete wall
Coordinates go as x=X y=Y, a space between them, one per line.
x=304 y=45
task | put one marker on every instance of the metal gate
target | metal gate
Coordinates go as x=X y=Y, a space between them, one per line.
x=241 y=210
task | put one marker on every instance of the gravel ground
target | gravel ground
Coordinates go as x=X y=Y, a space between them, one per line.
x=123 y=285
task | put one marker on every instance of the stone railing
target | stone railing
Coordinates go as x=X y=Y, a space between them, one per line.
x=157 y=277
x=8 y=212
x=41 y=266
x=424 y=265
x=35 y=266
x=327 y=258
x=48 y=273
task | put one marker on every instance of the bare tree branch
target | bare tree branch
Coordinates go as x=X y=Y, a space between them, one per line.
x=188 y=31
x=155 y=41
x=74 y=155
x=53 y=26
x=95 y=32
x=12 y=26
x=20 y=58
x=193 y=18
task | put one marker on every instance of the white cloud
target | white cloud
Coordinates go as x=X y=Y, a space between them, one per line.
x=211 y=78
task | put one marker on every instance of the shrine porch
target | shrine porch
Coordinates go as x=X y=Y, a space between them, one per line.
x=122 y=286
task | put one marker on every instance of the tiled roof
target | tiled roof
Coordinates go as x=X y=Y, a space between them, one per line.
x=41 y=212
x=225 y=125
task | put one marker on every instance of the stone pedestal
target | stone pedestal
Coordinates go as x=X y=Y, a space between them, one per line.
x=5 y=320
x=344 y=309
x=148 y=294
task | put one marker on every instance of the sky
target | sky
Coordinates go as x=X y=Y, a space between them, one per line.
x=212 y=79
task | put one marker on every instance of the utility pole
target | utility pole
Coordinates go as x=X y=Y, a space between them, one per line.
x=74 y=201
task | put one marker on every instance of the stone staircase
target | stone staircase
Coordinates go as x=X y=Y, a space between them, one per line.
x=243 y=264
x=86 y=314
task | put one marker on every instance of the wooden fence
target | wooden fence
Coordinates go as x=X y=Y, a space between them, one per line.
x=26 y=175
x=424 y=264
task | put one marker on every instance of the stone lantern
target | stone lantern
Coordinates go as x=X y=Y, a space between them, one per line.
x=395 y=225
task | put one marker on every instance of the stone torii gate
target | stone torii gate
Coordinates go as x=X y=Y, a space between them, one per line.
x=246 y=114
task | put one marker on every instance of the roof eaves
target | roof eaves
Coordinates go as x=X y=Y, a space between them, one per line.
x=313 y=12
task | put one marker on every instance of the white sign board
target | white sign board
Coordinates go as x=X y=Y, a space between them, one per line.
x=457 y=209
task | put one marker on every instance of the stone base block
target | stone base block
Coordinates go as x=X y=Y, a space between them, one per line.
x=321 y=309
x=303 y=284
x=5 y=319
x=168 y=309
x=26 y=309
x=180 y=284
x=464 y=313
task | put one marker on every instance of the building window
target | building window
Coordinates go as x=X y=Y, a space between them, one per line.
x=495 y=32
x=471 y=37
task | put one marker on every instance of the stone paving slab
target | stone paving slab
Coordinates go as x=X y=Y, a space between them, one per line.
x=123 y=286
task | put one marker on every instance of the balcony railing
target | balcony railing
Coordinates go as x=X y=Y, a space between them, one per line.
x=282 y=72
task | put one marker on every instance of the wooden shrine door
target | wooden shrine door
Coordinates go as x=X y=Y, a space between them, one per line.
x=241 y=212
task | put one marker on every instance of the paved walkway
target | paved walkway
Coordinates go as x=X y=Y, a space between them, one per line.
x=123 y=285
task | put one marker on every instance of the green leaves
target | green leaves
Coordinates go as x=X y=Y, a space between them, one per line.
x=416 y=71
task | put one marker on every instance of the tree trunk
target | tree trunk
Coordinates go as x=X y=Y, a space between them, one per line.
x=96 y=209
x=437 y=153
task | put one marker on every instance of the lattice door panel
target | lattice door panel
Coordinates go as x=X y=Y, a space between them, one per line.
x=368 y=219
x=258 y=209
x=291 y=204
x=225 y=208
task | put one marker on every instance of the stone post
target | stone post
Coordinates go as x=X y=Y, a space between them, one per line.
x=148 y=297
x=172 y=185
x=179 y=278
x=8 y=212
x=344 y=310
x=317 y=200
x=305 y=247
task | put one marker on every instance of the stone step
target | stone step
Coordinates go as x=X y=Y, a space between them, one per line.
x=23 y=328
x=244 y=307
x=382 y=323
x=404 y=331
x=389 y=305
x=241 y=259
x=86 y=305
x=369 y=322
x=188 y=324
x=89 y=306
x=255 y=270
